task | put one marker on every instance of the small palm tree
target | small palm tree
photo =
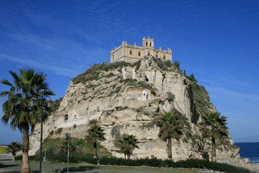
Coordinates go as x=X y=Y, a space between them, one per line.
x=172 y=125
x=213 y=126
x=17 y=109
x=127 y=144
x=14 y=147
x=63 y=147
x=95 y=134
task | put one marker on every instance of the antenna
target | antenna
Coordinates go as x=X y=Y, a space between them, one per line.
x=82 y=68
x=88 y=65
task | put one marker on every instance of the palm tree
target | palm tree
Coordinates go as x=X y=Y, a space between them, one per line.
x=63 y=147
x=172 y=125
x=127 y=144
x=213 y=126
x=14 y=147
x=17 y=109
x=95 y=134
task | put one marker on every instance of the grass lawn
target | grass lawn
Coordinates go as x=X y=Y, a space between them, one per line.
x=51 y=167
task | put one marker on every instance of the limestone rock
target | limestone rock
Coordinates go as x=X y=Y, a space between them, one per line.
x=125 y=98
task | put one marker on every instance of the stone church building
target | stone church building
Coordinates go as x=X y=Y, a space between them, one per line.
x=130 y=53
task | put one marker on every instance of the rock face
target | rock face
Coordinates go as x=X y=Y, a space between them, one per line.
x=125 y=98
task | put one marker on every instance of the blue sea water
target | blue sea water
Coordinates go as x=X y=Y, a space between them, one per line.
x=249 y=150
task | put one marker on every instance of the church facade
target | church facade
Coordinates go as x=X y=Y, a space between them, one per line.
x=131 y=53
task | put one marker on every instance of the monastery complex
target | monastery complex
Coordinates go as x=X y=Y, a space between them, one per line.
x=131 y=53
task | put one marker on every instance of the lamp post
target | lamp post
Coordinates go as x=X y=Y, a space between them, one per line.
x=42 y=102
x=67 y=135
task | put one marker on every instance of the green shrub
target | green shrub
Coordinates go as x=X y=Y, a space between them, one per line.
x=153 y=92
x=59 y=131
x=51 y=132
x=191 y=163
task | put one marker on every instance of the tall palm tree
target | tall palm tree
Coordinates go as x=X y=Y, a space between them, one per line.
x=172 y=125
x=14 y=147
x=127 y=144
x=95 y=134
x=17 y=109
x=213 y=126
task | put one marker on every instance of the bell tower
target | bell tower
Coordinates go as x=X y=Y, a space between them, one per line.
x=148 y=42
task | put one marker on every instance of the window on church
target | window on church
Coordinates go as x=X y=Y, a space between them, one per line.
x=164 y=57
x=139 y=54
x=150 y=44
x=148 y=54
x=156 y=56
x=146 y=44
x=130 y=52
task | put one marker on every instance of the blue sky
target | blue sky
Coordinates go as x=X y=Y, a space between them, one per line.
x=218 y=41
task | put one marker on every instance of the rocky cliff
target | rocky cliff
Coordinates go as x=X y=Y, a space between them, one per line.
x=125 y=98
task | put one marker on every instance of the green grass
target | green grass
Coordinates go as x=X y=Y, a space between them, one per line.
x=2 y=150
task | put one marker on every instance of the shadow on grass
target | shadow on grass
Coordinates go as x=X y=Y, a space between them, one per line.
x=6 y=166
x=76 y=169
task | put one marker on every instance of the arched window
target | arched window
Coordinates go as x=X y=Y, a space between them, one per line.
x=150 y=44
x=156 y=56
x=146 y=44
x=148 y=53
x=139 y=54
x=164 y=57
x=131 y=52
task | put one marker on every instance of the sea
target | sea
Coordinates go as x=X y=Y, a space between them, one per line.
x=249 y=150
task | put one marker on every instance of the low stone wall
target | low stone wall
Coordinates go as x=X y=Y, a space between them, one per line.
x=6 y=157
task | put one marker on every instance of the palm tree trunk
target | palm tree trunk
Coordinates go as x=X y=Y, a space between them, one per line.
x=170 y=148
x=25 y=157
x=128 y=155
x=213 y=149
x=95 y=150
x=14 y=157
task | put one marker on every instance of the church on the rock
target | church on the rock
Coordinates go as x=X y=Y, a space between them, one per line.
x=131 y=53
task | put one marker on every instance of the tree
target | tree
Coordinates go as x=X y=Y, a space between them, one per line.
x=95 y=134
x=172 y=125
x=17 y=109
x=214 y=127
x=127 y=144
x=63 y=147
x=177 y=64
x=14 y=147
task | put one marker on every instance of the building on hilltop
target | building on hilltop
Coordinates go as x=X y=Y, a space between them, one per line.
x=130 y=53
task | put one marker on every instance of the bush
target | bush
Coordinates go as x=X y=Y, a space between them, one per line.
x=93 y=73
x=51 y=132
x=153 y=92
x=59 y=131
x=191 y=163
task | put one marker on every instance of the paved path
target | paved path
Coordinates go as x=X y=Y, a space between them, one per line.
x=15 y=167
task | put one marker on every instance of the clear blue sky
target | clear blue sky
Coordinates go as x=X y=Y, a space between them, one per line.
x=218 y=41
